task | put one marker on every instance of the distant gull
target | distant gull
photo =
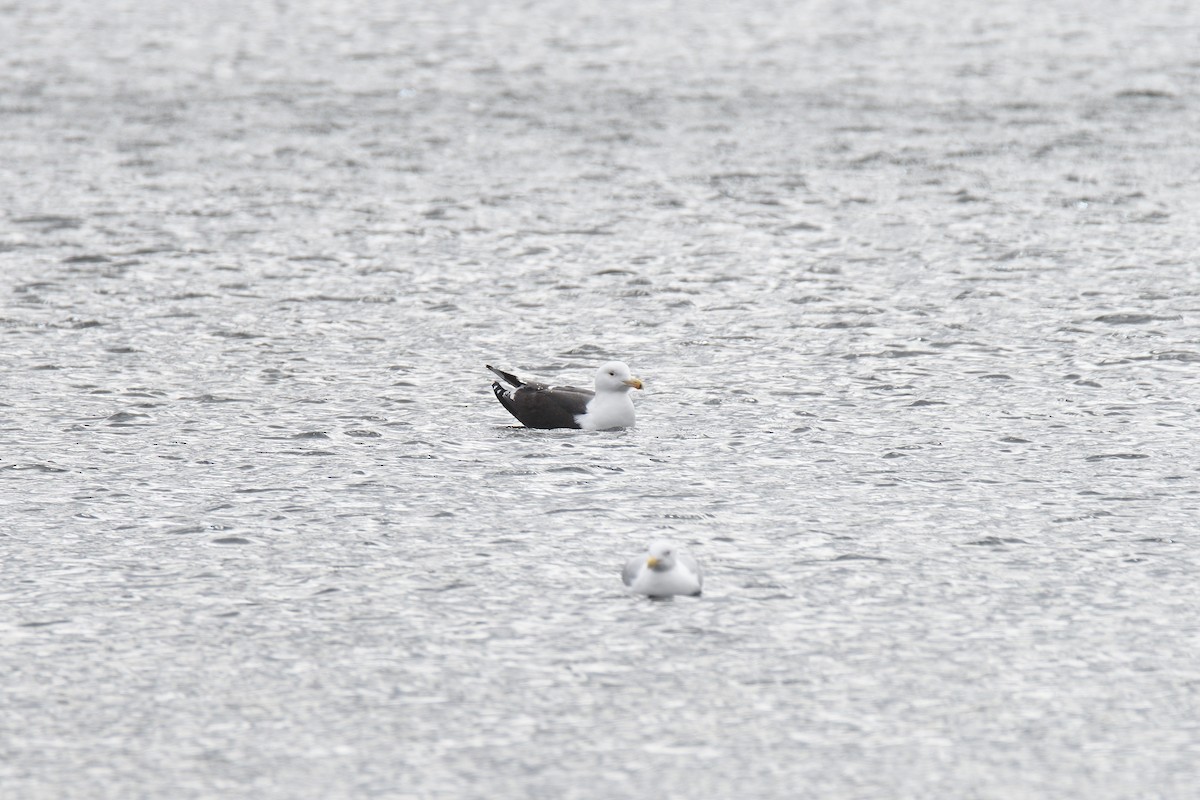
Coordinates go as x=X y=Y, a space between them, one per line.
x=663 y=570
x=536 y=405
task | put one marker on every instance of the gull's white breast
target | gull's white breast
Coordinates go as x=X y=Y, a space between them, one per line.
x=607 y=410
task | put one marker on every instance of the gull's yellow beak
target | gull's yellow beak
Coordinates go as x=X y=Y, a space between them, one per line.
x=651 y=562
x=634 y=382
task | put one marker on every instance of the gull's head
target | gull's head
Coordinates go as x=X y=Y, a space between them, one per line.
x=614 y=377
x=661 y=556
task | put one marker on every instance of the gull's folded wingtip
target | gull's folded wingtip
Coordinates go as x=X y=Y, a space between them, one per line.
x=507 y=377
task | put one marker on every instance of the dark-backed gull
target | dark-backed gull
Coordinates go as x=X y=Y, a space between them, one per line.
x=536 y=405
x=663 y=570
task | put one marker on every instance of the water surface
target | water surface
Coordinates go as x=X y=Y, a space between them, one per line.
x=913 y=290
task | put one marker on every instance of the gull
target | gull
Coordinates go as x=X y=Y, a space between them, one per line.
x=663 y=570
x=537 y=405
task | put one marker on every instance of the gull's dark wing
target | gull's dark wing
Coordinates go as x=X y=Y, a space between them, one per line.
x=537 y=405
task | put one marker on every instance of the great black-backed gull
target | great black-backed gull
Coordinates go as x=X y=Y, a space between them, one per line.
x=536 y=405
x=663 y=570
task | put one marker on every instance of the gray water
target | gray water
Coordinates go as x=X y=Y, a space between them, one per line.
x=913 y=287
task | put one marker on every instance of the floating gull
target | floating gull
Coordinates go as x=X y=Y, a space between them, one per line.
x=539 y=406
x=663 y=570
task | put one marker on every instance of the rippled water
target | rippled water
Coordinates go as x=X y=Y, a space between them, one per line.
x=913 y=289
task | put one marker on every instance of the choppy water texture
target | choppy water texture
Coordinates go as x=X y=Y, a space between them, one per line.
x=912 y=285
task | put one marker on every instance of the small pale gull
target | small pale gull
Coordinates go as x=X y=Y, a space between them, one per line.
x=665 y=569
x=537 y=405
